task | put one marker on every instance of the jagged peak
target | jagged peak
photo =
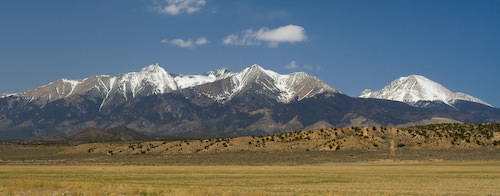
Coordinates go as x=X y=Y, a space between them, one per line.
x=154 y=68
x=256 y=66
x=153 y=75
x=256 y=71
x=253 y=69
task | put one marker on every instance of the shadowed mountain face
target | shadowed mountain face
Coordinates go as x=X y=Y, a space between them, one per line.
x=252 y=102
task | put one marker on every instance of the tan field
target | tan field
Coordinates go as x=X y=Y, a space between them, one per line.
x=449 y=159
x=447 y=178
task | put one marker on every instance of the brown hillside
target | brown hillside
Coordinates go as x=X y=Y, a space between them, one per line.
x=430 y=137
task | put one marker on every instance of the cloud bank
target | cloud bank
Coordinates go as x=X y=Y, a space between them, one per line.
x=273 y=37
x=189 y=43
x=175 y=7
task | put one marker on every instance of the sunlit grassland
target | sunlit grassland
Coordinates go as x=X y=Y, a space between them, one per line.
x=450 y=178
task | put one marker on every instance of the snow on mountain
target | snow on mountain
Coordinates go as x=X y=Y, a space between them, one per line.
x=415 y=88
x=152 y=76
x=153 y=79
x=2 y=95
x=149 y=80
x=285 y=88
x=186 y=81
x=52 y=91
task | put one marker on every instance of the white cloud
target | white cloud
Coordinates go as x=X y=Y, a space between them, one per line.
x=230 y=39
x=186 y=43
x=273 y=37
x=246 y=39
x=175 y=7
x=181 y=43
x=292 y=65
x=201 y=41
x=289 y=33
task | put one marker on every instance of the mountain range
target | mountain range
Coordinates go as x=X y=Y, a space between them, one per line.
x=222 y=103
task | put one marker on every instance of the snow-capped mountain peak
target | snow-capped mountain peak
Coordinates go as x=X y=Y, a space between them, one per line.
x=284 y=88
x=249 y=73
x=153 y=75
x=153 y=69
x=415 y=88
x=252 y=72
x=257 y=74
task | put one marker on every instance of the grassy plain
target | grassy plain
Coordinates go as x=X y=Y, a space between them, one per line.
x=375 y=178
x=447 y=159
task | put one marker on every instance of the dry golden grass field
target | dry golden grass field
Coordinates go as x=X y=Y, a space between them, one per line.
x=375 y=178
x=446 y=159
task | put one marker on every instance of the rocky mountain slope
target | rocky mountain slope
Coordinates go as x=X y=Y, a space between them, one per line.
x=153 y=79
x=215 y=104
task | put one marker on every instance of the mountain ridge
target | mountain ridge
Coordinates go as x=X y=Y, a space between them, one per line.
x=153 y=79
x=254 y=101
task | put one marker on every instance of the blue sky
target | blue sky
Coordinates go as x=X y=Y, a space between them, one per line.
x=351 y=45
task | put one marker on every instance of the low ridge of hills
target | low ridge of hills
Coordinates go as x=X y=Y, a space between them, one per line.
x=221 y=103
x=429 y=137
